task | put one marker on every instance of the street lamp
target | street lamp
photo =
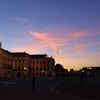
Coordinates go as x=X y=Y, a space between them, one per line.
x=42 y=72
x=25 y=69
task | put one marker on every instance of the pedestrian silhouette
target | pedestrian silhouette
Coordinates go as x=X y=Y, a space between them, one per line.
x=33 y=82
x=81 y=79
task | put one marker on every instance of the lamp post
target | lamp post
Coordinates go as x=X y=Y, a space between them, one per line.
x=42 y=72
x=25 y=69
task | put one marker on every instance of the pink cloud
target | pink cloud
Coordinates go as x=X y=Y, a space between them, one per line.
x=46 y=39
x=97 y=5
x=61 y=56
x=95 y=55
x=18 y=19
x=74 y=35
x=29 y=48
x=80 y=47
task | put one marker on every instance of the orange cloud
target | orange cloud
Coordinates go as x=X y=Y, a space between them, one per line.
x=46 y=39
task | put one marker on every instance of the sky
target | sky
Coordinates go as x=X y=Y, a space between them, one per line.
x=67 y=30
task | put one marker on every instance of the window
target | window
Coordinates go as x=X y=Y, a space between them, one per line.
x=33 y=69
x=44 y=62
x=22 y=74
x=40 y=68
x=19 y=60
x=15 y=67
x=47 y=74
x=36 y=68
x=33 y=62
x=44 y=68
x=19 y=67
x=37 y=62
x=36 y=74
x=48 y=62
x=48 y=69
x=40 y=74
x=23 y=60
x=23 y=68
x=15 y=60
x=40 y=62
x=33 y=74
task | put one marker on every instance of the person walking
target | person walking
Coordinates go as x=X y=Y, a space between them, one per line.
x=33 y=82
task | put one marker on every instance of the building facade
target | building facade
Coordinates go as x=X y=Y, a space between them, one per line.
x=22 y=64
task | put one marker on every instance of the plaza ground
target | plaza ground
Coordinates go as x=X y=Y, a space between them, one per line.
x=69 y=88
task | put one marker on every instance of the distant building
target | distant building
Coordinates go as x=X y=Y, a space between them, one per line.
x=22 y=64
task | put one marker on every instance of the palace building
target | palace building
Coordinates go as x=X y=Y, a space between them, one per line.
x=22 y=64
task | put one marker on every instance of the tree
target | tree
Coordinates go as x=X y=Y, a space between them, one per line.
x=72 y=70
x=59 y=67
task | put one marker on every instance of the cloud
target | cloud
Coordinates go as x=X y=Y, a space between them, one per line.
x=97 y=5
x=95 y=55
x=80 y=47
x=46 y=40
x=60 y=56
x=28 y=48
x=18 y=19
x=74 y=35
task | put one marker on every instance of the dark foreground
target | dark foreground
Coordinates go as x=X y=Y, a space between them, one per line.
x=50 y=89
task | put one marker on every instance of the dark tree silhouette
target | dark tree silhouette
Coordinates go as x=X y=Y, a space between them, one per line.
x=59 y=67
x=72 y=70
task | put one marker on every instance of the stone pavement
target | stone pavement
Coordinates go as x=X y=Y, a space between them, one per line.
x=89 y=88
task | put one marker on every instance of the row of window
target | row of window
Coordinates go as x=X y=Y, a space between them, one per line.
x=7 y=65
x=34 y=62
x=40 y=69
x=19 y=60
x=7 y=59
x=37 y=69
x=40 y=62
x=41 y=74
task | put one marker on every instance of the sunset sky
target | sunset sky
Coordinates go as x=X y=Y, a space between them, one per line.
x=68 y=30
